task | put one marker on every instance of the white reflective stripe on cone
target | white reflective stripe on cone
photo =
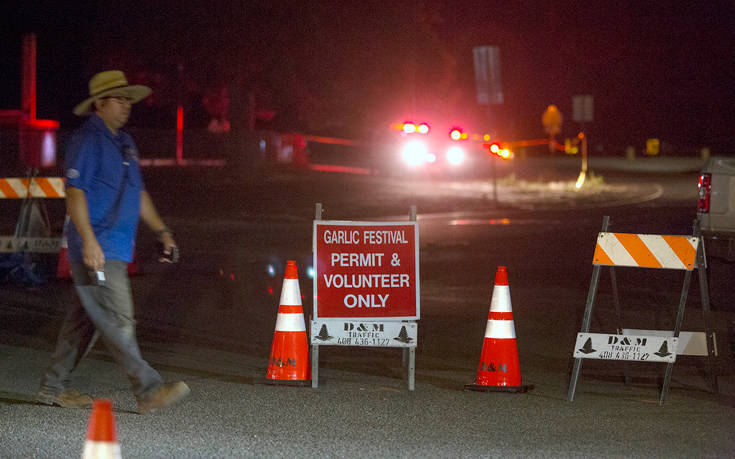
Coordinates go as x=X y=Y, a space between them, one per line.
x=290 y=295
x=501 y=299
x=96 y=449
x=290 y=323
x=502 y=329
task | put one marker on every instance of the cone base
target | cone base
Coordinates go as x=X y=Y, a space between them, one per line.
x=285 y=382
x=511 y=389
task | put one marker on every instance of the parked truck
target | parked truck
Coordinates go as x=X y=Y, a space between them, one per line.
x=716 y=207
x=716 y=220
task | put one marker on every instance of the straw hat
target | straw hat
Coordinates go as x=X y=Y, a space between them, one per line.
x=107 y=82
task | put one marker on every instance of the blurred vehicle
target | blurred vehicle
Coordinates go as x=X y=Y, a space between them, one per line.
x=419 y=148
x=716 y=207
x=716 y=220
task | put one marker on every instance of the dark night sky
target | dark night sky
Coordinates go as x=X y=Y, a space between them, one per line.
x=655 y=68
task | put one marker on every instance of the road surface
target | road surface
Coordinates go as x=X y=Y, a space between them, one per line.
x=210 y=319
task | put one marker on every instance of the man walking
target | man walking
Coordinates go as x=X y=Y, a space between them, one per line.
x=105 y=198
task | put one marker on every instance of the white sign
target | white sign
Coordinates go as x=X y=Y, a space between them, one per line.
x=9 y=244
x=582 y=109
x=625 y=347
x=487 y=75
x=690 y=343
x=363 y=333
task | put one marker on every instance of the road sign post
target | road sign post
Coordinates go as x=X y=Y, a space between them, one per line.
x=653 y=147
x=489 y=90
x=583 y=109
x=487 y=75
x=552 y=120
x=583 y=112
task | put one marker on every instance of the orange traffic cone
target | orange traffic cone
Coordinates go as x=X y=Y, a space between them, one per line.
x=289 y=359
x=101 y=435
x=499 y=370
x=63 y=269
x=133 y=265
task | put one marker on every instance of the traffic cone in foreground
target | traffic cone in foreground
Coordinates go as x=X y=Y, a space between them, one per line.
x=499 y=370
x=101 y=435
x=63 y=269
x=289 y=360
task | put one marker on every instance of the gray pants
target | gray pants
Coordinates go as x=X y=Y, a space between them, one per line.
x=108 y=309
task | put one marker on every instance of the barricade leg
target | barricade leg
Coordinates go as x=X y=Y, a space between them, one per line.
x=585 y=327
x=33 y=220
x=677 y=329
x=591 y=294
x=575 y=377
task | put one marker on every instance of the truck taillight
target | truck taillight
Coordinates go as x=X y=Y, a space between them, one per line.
x=705 y=186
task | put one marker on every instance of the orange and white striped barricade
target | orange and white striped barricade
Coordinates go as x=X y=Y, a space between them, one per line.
x=684 y=253
x=29 y=237
x=32 y=187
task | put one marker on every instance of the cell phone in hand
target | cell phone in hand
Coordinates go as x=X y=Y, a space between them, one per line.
x=97 y=277
x=169 y=257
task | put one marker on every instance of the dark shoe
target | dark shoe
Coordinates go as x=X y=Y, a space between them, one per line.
x=67 y=399
x=166 y=395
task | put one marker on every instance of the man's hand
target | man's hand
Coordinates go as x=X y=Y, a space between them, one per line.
x=170 y=249
x=150 y=216
x=93 y=255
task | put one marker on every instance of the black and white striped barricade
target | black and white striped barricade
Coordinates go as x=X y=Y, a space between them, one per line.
x=366 y=287
x=683 y=253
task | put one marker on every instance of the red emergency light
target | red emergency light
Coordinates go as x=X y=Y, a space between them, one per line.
x=494 y=147
x=705 y=191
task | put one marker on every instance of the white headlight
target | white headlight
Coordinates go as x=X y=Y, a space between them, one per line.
x=455 y=155
x=414 y=153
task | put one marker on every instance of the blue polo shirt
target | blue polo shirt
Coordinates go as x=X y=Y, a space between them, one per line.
x=106 y=167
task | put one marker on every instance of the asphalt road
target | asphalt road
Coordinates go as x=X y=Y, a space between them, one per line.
x=210 y=321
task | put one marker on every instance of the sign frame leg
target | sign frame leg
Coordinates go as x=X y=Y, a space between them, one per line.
x=314 y=366
x=411 y=367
